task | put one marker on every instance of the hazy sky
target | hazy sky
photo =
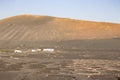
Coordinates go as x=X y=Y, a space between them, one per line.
x=94 y=10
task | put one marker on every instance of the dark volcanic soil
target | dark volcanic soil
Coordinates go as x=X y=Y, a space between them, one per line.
x=68 y=65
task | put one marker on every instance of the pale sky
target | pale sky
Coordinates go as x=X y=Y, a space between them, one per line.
x=93 y=10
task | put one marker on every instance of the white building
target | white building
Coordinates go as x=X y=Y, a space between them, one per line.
x=17 y=51
x=48 y=50
x=36 y=50
x=33 y=50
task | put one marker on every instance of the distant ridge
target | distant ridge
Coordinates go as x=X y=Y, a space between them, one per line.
x=25 y=29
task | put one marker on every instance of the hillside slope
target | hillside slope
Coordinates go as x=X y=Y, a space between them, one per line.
x=36 y=31
x=45 y=28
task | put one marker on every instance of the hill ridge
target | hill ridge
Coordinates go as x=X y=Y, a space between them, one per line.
x=47 y=28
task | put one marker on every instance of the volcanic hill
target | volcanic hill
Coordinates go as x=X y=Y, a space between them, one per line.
x=33 y=28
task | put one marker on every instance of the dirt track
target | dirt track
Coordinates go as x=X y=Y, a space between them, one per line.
x=60 y=66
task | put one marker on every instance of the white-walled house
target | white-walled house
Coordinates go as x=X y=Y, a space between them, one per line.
x=17 y=51
x=33 y=50
x=36 y=50
x=48 y=50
